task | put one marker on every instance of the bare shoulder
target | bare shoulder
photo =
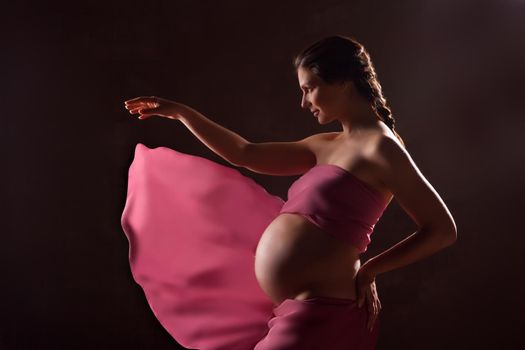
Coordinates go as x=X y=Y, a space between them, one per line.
x=324 y=136
x=389 y=152
x=414 y=193
x=317 y=142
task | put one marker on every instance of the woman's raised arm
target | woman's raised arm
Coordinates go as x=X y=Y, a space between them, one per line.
x=272 y=158
x=220 y=140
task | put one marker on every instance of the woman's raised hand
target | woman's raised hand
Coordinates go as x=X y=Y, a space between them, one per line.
x=147 y=106
x=366 y=289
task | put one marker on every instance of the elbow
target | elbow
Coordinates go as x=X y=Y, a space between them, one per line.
x=453 y=233
x=444 y=235
x=452 y=237
x=450 y=234
x=447 y=231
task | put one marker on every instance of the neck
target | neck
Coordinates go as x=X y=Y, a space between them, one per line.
x=361 y=115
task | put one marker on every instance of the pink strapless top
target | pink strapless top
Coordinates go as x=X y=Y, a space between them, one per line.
x=337 y=202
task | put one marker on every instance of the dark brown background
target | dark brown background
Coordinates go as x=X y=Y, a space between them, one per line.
x=452 y=71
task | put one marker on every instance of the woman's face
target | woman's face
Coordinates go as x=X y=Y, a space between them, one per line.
x=324 y=100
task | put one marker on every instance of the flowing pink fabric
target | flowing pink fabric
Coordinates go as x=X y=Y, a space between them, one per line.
x=193 y=226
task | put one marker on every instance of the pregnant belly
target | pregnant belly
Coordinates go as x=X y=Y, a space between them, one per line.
x=297 y=260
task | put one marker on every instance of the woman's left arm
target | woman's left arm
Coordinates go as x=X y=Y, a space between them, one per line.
x=436 y=227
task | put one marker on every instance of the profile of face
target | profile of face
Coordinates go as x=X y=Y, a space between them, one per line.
x=325 y=101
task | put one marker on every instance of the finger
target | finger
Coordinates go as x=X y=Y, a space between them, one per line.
x=372 y=317
x=372 y=321
x=361 y=296
x=150 y=111
x=360 y=301
x=140 y=103
x=134 y=101
x=376 y=315
x=134 y=105
x=143 y=110
x=145 y=116
x=370 y=307
x=141 y=98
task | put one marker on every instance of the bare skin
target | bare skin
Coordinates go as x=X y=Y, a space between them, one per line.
x=291 y=258
x=294 y=258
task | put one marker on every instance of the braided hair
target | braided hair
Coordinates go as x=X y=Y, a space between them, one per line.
x=338 y=58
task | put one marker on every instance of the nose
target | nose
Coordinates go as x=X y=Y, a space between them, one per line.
x=304 y=102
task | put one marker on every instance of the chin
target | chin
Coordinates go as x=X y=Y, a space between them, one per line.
x=323 y=120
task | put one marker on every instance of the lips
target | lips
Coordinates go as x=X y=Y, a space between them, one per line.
x=316 y=112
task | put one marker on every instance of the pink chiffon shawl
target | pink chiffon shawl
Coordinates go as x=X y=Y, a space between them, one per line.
x=193 y=226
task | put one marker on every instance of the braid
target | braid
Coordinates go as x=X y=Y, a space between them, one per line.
x=383 y=110
x=365 y=78
x=370 y=88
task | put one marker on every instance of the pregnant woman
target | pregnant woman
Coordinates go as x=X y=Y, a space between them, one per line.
x=226 y=265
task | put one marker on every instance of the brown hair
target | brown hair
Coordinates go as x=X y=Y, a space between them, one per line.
x=338 y=58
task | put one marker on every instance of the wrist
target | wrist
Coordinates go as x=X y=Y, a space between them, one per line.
x=180 y=111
